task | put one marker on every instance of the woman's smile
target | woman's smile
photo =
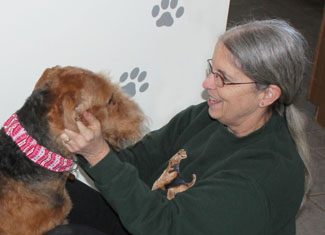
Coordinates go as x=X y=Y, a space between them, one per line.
x=213 y=100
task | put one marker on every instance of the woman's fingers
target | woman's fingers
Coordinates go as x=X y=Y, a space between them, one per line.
x=89 y=142
x=93 y=122
x=65 y=138
x=86 y=132
x=67 y=141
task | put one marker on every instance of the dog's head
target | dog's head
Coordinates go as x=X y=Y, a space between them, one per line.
x=74 y=90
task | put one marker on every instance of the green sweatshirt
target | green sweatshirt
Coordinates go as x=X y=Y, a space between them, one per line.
x=249 y=185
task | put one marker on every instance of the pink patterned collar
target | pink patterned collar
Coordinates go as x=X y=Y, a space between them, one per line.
x=35 y=152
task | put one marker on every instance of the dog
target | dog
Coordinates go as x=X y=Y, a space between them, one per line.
x=34 y=164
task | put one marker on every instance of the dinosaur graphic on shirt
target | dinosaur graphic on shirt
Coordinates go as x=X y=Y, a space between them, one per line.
x=171 y=179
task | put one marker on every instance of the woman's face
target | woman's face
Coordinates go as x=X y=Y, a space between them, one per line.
x=231 y=104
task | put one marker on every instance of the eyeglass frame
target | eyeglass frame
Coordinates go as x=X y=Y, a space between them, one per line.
x=222 y=77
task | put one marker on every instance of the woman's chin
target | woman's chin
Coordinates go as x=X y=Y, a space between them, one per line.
x=214 y=109
x=213 y=113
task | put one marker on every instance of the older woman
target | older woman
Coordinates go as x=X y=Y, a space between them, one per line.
x=245 y=146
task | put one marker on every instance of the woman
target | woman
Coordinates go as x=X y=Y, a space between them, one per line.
x=245 y=145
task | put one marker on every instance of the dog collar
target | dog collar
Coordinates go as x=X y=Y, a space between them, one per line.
x=33 y=151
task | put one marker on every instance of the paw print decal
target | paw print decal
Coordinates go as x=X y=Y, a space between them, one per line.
x=166 y=18
x=132 y=85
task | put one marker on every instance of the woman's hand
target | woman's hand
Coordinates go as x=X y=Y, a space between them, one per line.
x=89 y=142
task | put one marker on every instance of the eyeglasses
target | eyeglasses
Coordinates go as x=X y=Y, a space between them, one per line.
x=219 y=77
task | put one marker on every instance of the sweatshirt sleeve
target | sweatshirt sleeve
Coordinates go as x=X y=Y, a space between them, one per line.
x=211 y=207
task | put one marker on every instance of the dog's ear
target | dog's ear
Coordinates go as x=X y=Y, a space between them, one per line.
x=62 y=113
x=48 y=77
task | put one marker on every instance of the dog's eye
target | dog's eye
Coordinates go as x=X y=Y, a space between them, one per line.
x=111 y=101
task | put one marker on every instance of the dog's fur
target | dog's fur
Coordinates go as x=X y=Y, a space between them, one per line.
x=33 y=199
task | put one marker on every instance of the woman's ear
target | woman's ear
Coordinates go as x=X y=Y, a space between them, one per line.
x=271 y=94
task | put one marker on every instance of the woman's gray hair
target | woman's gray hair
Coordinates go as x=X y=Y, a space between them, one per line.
x=273 y=52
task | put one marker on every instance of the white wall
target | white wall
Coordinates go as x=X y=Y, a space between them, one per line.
x=164 y=42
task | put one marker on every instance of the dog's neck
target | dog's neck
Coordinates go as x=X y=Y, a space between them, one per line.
x=33 y=151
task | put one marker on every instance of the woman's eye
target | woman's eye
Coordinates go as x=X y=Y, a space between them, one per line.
x=226 y=80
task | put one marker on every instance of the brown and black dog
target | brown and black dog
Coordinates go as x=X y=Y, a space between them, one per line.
x=33 y=199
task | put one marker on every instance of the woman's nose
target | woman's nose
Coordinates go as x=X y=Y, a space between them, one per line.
x=209 y=82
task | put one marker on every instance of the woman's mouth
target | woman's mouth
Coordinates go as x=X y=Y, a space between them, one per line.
x=212 y=100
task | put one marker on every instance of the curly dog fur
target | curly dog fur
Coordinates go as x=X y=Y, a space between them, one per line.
x=33 y=200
